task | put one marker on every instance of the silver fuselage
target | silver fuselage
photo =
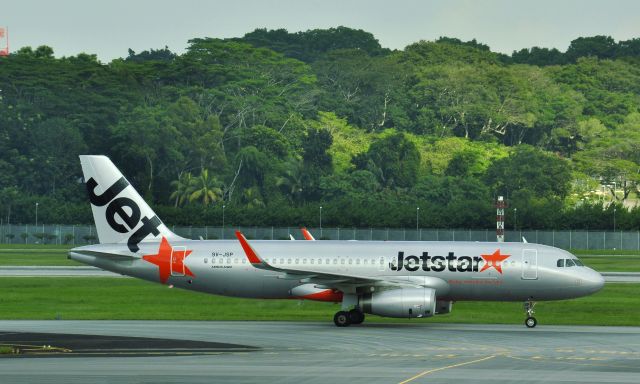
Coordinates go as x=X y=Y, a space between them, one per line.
x=455 y=269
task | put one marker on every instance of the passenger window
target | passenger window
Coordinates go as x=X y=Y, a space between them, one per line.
x=341 y=261
x=319 y=261
x=288 y=261
x=281 y=261
x=570 y=263
x=365 y=261
x=335 y=261
x=296 y=261
x=304 y=261
x=350 y=261
x=206 y=260
x=560 y=263
x=357 y=261
x=244 y=261
x=311 y=261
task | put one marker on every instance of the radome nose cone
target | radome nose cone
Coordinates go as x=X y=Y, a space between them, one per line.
x=594 y=281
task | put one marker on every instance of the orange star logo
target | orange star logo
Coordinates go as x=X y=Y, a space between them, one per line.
x=494 y=260
x=169 y=261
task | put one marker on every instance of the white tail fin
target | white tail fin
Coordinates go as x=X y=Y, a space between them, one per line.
x=120 y=213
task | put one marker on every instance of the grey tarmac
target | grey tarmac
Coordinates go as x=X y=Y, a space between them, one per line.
x=309 y=352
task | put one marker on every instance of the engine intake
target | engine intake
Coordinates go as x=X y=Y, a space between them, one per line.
x=404 y=302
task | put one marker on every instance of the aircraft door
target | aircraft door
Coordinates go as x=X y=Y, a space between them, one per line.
x=529 y=264
x=177 y=261
x=382 y=263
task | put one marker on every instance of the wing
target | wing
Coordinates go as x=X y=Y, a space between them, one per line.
x=340 y=281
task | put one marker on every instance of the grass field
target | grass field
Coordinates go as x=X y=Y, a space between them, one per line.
x=612 y=263
x=120 y=299
x=604 y=252
x=28 y=255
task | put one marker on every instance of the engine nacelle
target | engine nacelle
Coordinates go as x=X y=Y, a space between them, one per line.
x=404 y=302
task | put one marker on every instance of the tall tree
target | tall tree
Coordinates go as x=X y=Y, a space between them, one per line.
x=206 y=189
x=394 y=159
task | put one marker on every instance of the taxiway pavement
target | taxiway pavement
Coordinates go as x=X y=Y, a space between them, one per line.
x=294 y=352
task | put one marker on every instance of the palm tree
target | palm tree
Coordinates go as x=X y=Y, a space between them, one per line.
x=292 y=180
x=183 y=187
x=252 y=199
x=206 y=189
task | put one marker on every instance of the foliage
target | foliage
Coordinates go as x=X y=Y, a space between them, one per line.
x=274 y=124
x=531 y=171
x=394 y=160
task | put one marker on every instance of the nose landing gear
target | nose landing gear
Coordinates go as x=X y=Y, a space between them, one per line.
x=530 y=321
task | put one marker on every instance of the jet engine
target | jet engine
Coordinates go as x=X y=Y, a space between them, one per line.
x=404 y=302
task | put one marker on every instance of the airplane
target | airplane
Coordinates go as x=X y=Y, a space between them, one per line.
x=402 y=279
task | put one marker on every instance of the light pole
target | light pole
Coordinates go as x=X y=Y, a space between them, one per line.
x=418 y=223
x=223 y=207
x=37 y=215
x=515 y=219
x=321 y=221
x=614 y=219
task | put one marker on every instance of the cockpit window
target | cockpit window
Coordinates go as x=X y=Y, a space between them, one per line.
x=569 y=263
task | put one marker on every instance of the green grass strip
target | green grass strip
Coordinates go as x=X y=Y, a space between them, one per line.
x=132 y=299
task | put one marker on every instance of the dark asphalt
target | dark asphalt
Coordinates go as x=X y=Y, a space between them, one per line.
x=30 y=344
x=302 y=352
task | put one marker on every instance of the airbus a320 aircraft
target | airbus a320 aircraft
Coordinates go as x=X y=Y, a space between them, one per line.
x=404 y=279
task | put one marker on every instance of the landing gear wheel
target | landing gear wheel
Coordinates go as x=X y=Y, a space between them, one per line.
x=342 y=319
x=531 y=322
x=356 y=316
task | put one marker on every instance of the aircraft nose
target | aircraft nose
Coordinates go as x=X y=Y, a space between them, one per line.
x=593 y=281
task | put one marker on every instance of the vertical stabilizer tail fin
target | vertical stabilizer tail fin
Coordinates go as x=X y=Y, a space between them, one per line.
x=121 y=215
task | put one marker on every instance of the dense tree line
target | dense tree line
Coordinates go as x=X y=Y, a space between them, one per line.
x=274 y=125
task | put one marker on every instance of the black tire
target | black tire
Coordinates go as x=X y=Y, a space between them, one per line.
x=356 y=316
x=342 y=319
x=531 y=322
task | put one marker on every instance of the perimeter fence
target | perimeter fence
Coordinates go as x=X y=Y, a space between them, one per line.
x=74 y=235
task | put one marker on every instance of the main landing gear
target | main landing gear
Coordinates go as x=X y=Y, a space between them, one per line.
x=530 y=321
x=346 y=318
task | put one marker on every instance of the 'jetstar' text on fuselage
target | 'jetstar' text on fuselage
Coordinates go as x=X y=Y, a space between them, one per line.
x=436 y=263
